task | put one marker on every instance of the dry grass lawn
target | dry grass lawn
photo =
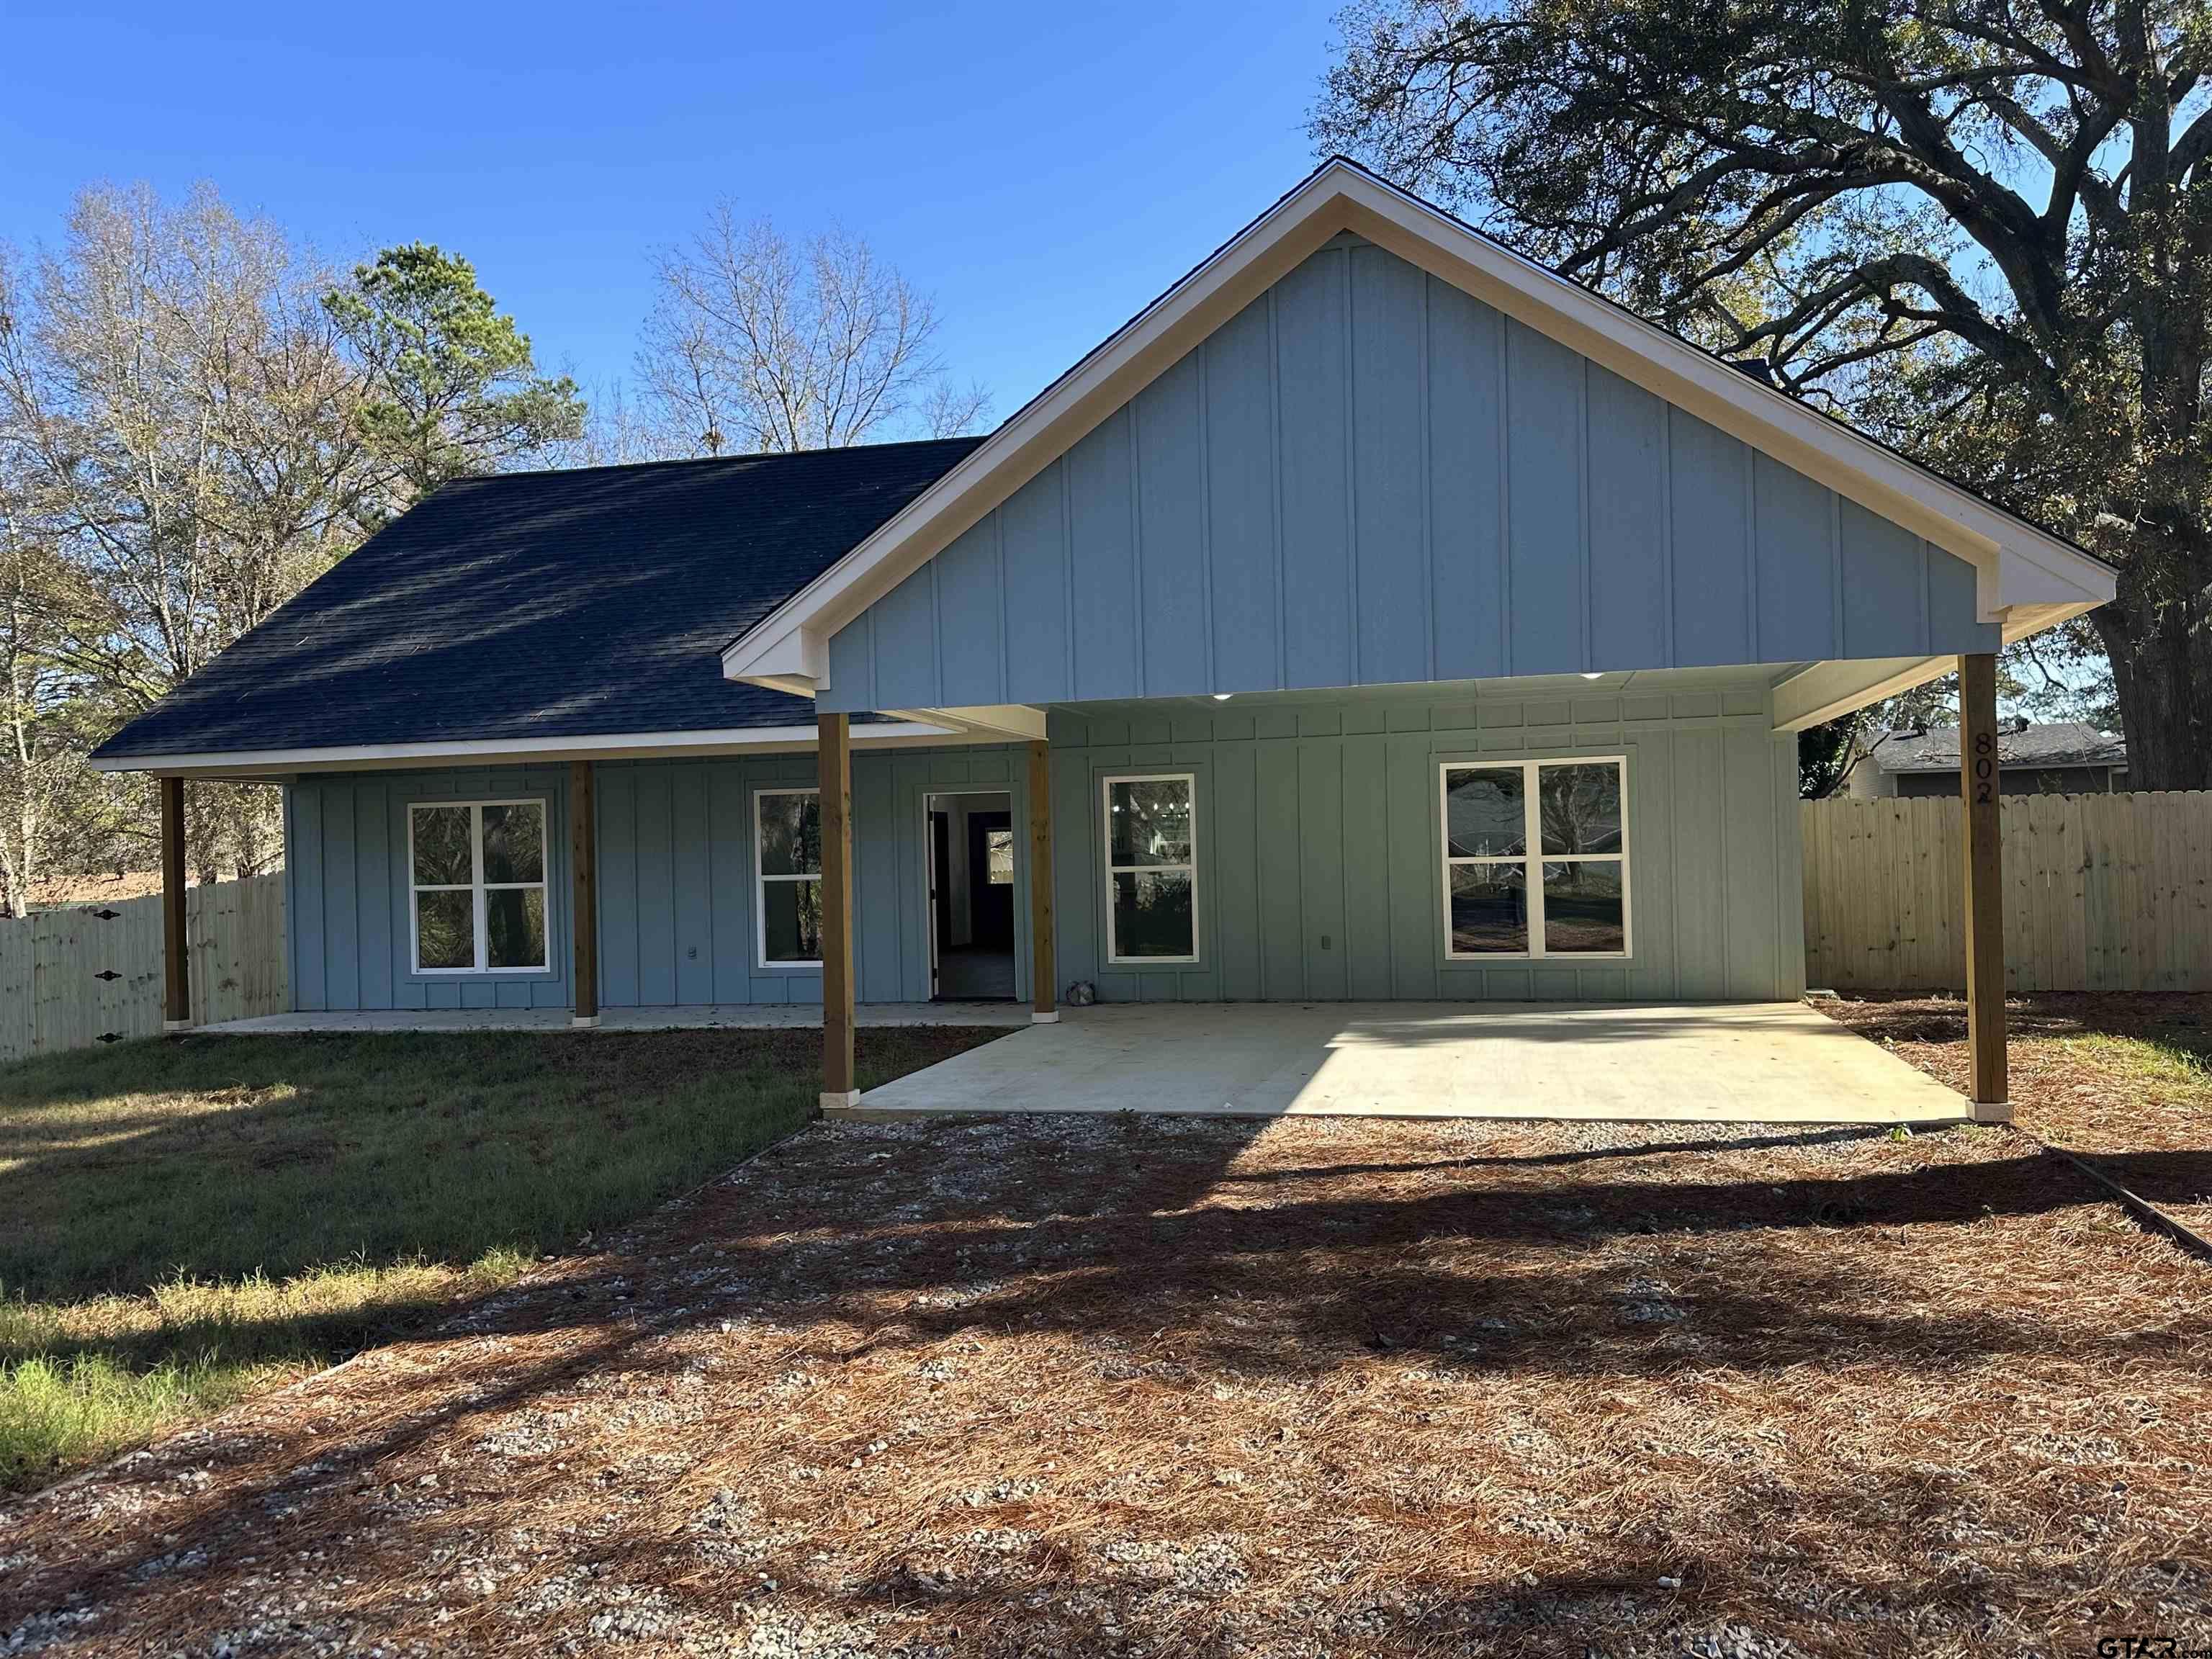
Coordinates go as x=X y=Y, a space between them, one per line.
x=2126 y=1080
x=1204 y=1387
x=185 y=1224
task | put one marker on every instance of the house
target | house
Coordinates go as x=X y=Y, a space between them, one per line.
x=2063 y=758
x=1375 y=616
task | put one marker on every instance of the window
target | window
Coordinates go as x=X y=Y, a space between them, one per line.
x=1535 y=858
x=788 y=868
x=998 y=857
x=1152 y=869
x=477 y=871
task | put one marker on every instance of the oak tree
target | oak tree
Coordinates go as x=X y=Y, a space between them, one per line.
x=1980 y=228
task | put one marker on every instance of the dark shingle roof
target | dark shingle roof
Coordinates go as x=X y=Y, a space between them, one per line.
x=547 y=605
x=2062 y=743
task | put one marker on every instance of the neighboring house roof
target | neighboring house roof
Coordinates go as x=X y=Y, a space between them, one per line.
x=2062 y=743
x=541 y=606
x=2026 y=578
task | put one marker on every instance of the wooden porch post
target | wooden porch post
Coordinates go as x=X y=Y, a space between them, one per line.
x=834 y=751
x=176 y=961
x=1042 y=969
x=584 y=881
x=1986 y=961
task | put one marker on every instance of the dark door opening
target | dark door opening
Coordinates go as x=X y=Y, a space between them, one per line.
x=971 y=897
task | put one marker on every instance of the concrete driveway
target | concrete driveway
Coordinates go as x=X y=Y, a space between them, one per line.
x=1776 y=1063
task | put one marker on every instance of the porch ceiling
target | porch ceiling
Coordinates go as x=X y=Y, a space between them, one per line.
x=1724 y=1062
x=1613 y=682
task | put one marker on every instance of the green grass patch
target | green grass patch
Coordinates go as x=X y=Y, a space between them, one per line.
x=191 y=1221
x=2151 y=1061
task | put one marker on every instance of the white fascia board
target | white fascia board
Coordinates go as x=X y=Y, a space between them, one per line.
x=508 y=751
x=1018 y=720
x=1824 y=691
x=796 y=657
x=2010 y=555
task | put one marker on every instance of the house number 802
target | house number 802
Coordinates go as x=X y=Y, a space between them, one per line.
x=1985 y=768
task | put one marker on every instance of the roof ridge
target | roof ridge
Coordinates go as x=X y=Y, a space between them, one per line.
x=971 y=439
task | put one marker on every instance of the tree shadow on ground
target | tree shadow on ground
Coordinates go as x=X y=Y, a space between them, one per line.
x=1148 y=1279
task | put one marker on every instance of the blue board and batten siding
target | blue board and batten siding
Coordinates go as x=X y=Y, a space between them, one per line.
x=348 y=907
x=1366 y=477
x=1320 y=856
x=676 y=922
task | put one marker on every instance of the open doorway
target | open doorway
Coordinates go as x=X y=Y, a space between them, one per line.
x=971 y=896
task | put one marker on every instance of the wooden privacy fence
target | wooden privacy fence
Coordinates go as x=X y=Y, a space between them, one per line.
x=91 y=974
x=2102 y=893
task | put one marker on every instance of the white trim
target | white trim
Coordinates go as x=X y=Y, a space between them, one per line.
x=2015 y=562
x=614 y=746
x=1532 y=858
x=1106 y=782
x=761 y=879
x=1020 y=721
x=478 y=889
x=1826 y=690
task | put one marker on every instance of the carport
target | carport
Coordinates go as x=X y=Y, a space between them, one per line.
x=1773 y=1062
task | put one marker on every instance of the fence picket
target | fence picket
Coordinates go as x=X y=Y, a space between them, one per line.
x=2102 y=892
x=52 y=996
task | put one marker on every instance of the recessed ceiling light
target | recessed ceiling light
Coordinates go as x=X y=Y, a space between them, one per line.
x=1222 y=697
x=1594 y=677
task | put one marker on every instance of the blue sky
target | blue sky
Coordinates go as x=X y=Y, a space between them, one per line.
x=1043 y=177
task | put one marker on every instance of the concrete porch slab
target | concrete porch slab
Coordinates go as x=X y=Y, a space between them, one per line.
x=720 y=1015
x=1777 y=1062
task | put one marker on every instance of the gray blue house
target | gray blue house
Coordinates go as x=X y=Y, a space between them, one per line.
x=1376 y=615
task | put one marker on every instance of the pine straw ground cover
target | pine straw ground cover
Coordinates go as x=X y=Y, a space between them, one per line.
x=1176 y=1387
x=2123 y=1081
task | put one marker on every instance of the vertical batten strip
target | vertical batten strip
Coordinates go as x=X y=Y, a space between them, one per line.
x=1504 y=496
x=999 y=564
x=1751 y=549
x=1203 y=440
x=1351 y=461
x=1070 y=671
x=1583 y=649
x=1275 y=484
x=1138 y=656
x=584 y=905
x=1427 y=474
x=1836 y=573
x=1667 y=533
x=1927 y=602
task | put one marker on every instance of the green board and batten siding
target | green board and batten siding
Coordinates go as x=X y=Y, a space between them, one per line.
x=1318 y=822
x=1366 y=479
x=1319 y=856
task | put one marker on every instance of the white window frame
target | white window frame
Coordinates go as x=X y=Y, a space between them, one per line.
x=478 y=887
x=1532 y=858
x=762 y=879
x=1106 y=782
